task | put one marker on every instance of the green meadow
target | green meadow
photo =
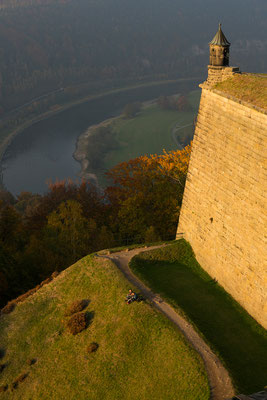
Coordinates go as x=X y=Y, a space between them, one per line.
x=151 y=131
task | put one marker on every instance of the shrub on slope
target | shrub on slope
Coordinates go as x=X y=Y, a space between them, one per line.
x=77 y=323
x=76 y=306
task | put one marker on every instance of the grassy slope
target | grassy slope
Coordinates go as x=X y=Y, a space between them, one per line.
x=150 y=132
x=250 y=88
x=233 y=334
x=140 y=353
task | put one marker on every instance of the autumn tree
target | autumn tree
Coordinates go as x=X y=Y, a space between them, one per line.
x=167 y=102
x=164 y=102
x=105 y=238
x=183 y=104
x=85 y=193
x=40 y=234
x=72 y=230
x=13 y=279
x=7 y=198
x=27 y=202
x=12 y=233
x=151 y=235
x=3 y=287
x=147 y=191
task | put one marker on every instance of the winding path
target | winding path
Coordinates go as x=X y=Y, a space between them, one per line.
x=176 y=128
x=219 y=380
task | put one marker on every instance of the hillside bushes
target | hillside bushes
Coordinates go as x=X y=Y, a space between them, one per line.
x=77 y=323
x=75 y=307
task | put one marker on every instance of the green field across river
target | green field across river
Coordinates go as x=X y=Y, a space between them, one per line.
x=151 y=131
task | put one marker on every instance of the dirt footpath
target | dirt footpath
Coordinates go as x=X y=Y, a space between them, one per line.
x=219 y=380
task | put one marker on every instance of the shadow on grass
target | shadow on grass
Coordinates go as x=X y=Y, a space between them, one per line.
x=2 y=367
x=2 y=353
x=240 y=341
x=89 y=315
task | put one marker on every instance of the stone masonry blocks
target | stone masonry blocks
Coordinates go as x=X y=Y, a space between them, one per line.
x=223 y=214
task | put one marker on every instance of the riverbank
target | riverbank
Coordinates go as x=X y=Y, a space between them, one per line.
x=150 y=132
x=83 y=141
x=44 y=150
x=60 y=108
x=80 y=154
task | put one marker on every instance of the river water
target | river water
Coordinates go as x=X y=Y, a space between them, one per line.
x=43 y=152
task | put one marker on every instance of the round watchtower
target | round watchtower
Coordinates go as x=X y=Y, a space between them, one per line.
x=218 y=68
x=219 y=49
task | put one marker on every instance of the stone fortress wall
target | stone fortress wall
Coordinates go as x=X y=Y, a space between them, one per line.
x=223 y=214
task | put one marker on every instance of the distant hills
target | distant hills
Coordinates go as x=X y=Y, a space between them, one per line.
x=48 y=44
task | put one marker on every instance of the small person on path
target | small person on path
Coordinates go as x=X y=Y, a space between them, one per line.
x=131 y=296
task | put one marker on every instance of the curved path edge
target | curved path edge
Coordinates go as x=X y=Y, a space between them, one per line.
x=221 y=387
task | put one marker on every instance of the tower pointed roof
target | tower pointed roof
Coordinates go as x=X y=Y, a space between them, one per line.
x=219 y=39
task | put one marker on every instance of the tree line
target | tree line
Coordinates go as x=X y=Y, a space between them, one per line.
x=40 y=234
x=51 y=44
x=48 y=44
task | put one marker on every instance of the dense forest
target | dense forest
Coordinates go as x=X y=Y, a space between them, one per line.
x=57 y=46
x=46 y=45
x=41 y=234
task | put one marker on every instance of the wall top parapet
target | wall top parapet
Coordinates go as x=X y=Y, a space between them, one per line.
x=220 y=68
x=233 y=98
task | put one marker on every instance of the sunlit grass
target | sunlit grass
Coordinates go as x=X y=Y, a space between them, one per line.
x=141 y=354
x=249 y=88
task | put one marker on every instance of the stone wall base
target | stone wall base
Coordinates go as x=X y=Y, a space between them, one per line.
x=219 y=74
